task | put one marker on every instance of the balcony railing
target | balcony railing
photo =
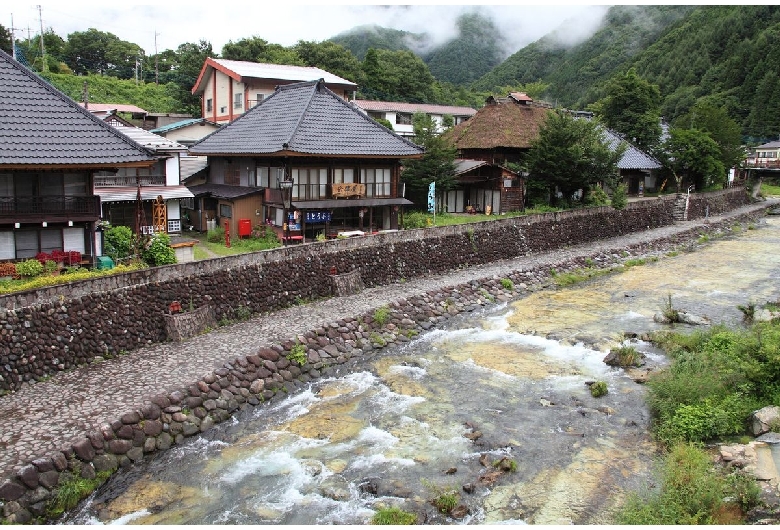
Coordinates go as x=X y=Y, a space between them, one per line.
x=129 y=182
x=52 y=207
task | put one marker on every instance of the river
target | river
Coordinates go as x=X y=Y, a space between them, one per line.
x=494 y=408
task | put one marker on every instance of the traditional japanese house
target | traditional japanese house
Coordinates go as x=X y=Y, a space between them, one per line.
x=341 y=167
x=50 y=150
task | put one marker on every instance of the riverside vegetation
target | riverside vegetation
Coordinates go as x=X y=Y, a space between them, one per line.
x=716 y=379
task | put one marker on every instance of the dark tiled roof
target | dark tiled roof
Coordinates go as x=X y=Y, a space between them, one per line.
x=305 y=119
x=39 y=125
x=633 y=158
x=499 y=125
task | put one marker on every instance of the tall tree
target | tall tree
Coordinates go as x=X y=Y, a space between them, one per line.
x=437 y=164
x=717 y=123
x=692 y=154
x=103 y=53
x=255 y=49
x=570 y=155
x=632 y=108
x=5 y=40
x=190 y=57
x=397 y=76
x=331 y=57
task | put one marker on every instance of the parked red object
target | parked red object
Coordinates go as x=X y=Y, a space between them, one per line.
x=333 y=271
x=175 y=306
x=244 y=227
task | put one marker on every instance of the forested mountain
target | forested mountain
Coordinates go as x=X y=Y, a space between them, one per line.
x=465 y=58
x=358 y=40
x=727 y=55
x=720 y=56
x=572 y=71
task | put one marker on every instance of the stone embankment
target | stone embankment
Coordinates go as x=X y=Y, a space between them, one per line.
x=282 y=365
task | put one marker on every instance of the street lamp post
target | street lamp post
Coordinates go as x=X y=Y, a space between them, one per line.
x=286 y=187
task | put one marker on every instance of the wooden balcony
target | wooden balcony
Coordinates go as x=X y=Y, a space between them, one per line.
x=50 y=208
x=764 y=163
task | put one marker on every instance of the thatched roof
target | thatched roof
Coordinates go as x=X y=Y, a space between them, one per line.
x=499 y=124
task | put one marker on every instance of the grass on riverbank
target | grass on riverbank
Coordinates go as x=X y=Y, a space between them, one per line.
x=692 y=492
x=717 y=378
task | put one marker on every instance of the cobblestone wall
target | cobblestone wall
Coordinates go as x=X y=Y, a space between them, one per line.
x=58 y=328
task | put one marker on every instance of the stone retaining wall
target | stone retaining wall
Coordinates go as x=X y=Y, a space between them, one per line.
x=334 y=349
x=61 y=327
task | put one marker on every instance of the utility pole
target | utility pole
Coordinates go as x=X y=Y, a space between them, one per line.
x=45 y=67
x=156 y=72
x=13 y=42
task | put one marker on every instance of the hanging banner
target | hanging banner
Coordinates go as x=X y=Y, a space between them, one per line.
x=432 y=197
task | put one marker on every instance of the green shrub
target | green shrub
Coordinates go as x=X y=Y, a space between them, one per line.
x=669 y=312
x=50 y=266
x=627 y=356
x=382 y=315
x=157 y=251
x=29 y=268
x=394 y=516
x=596 y=196
x=416 y=220
x=446 y=501
x=507 y=284
x=118 y=242
x=598 y=389
x=620 y=197
x=217 y=235
x=297 y=354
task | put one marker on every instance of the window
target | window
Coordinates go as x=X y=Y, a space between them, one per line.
x=403 y=119
x=377 y=181
x=309 y=183
x=30 y=242
x=232 y=176
x=226 y=210
x=238 y=100
x=267 y=177
x=209 y=105
x=75 y=185
x=343 y=176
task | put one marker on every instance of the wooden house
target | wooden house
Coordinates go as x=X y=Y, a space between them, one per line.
x=50 y=150
x=344 y=167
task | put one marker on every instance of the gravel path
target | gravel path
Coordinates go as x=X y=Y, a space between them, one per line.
x=46 y=416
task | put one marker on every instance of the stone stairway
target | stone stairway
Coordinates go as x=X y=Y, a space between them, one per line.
x=680 y=211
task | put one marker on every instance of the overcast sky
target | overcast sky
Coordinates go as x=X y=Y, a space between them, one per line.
x=285 y=22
